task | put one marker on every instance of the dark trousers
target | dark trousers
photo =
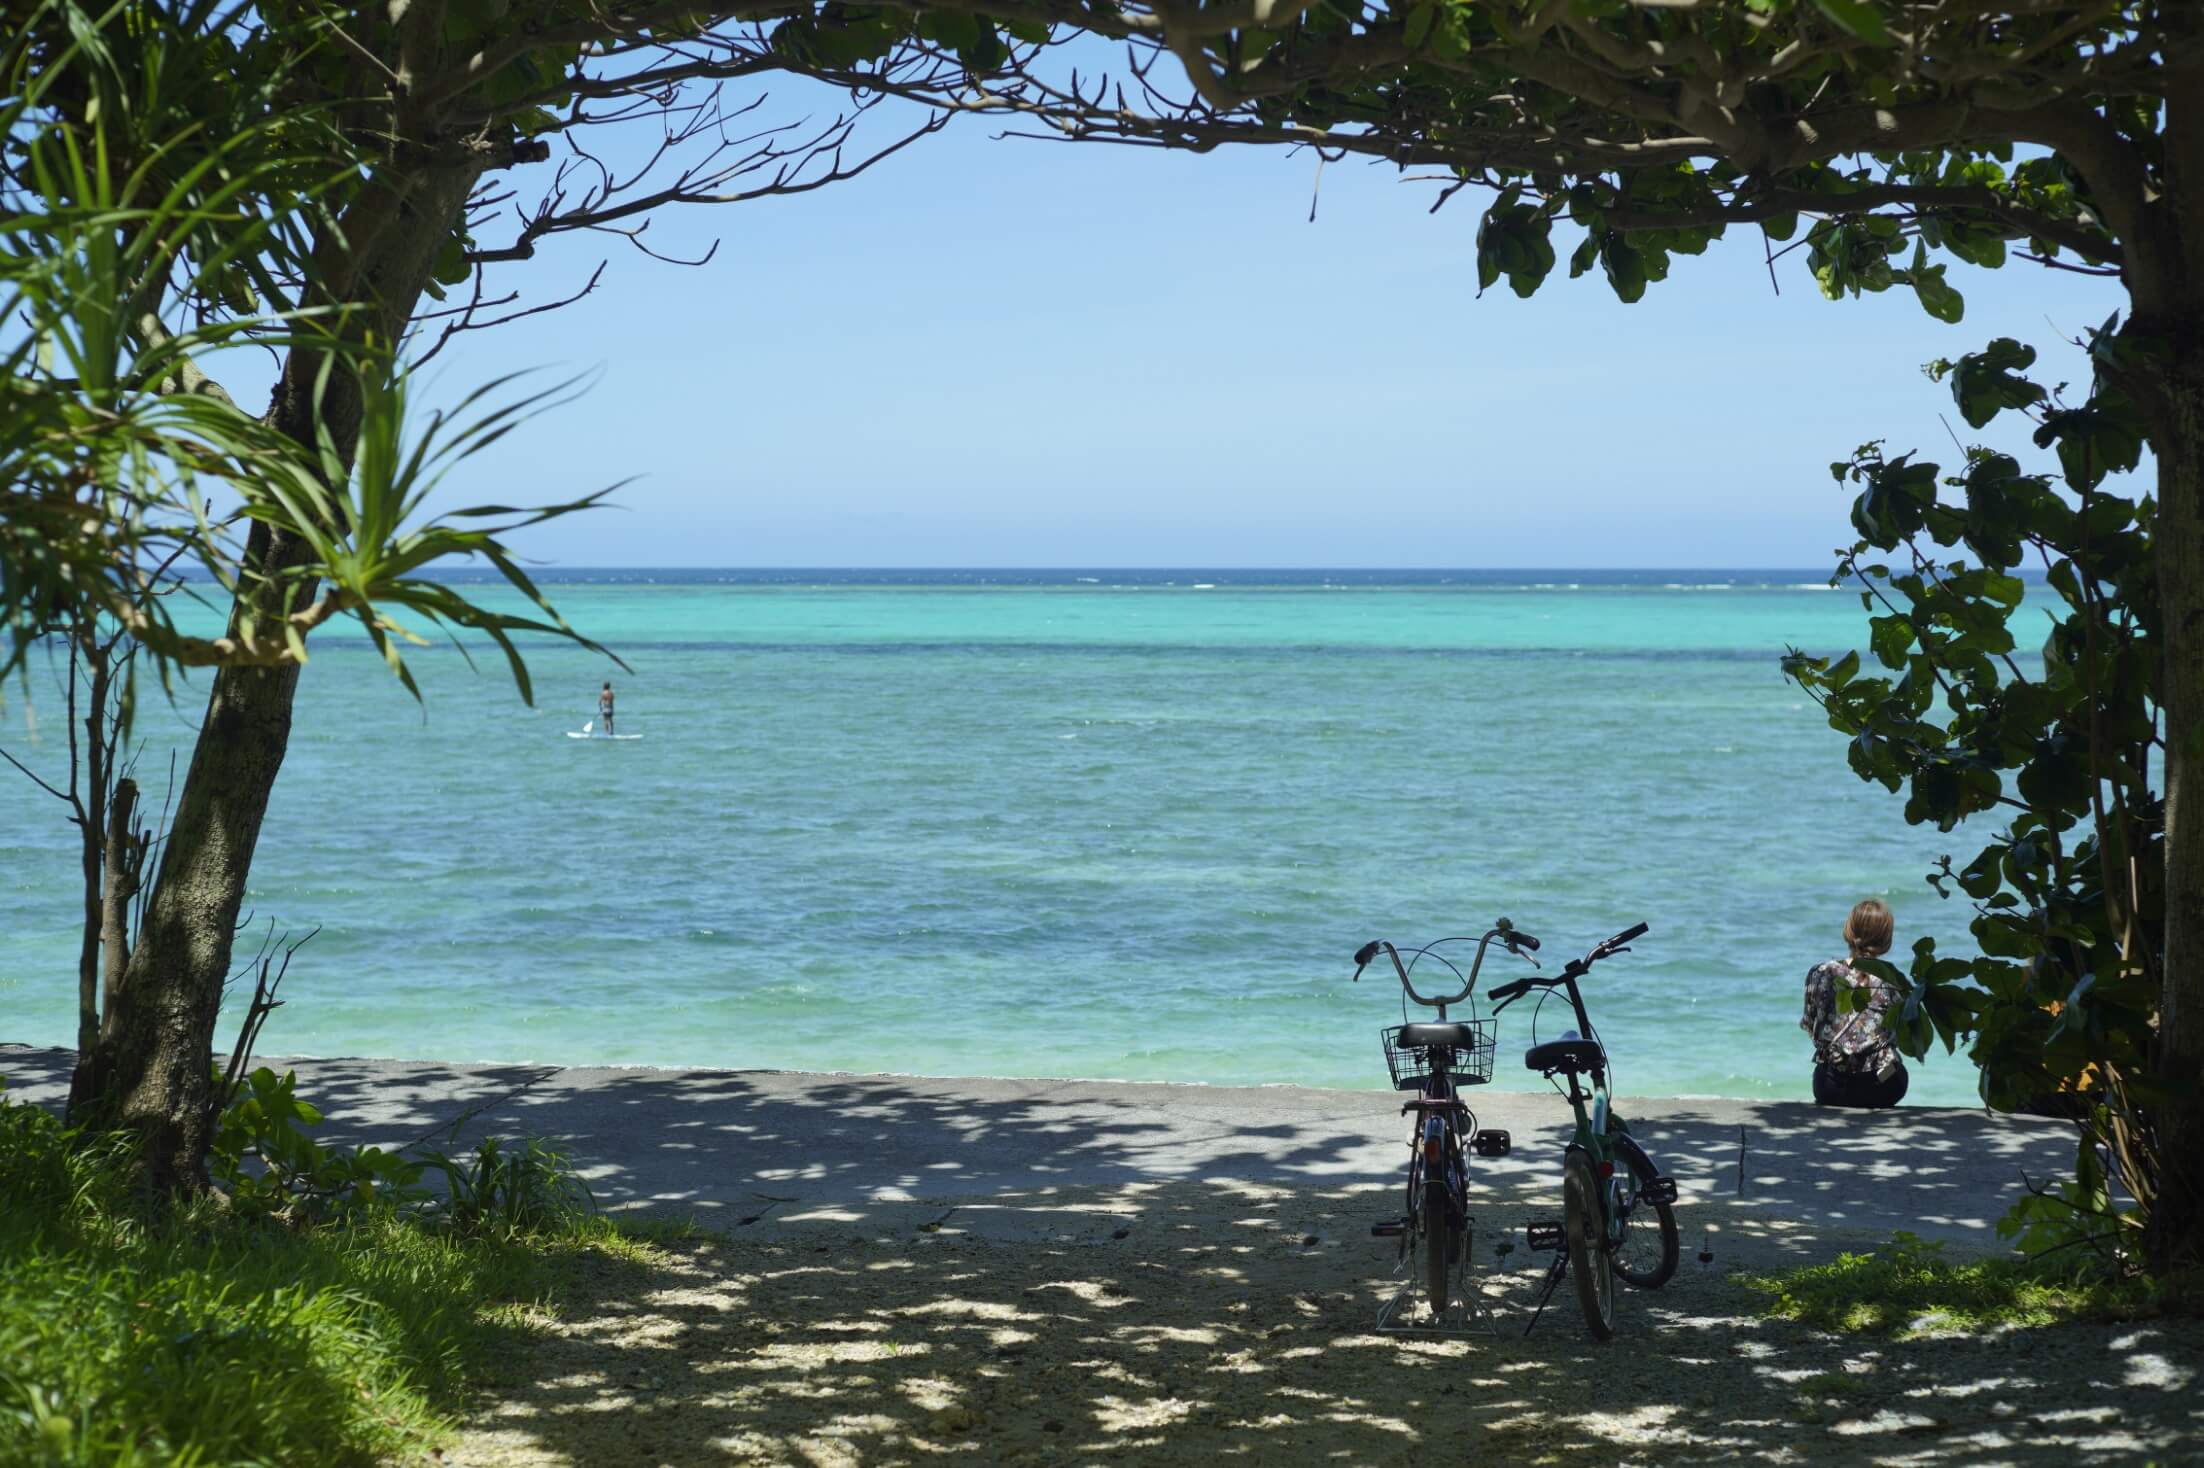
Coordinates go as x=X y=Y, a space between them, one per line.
x=1844 y=1088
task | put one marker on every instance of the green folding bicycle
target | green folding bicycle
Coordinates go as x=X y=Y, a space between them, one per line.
x=1618 y=1209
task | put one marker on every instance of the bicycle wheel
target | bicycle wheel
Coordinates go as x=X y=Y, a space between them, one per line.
x=1646 y=1256
x=1412 y=1209
x=1590 y=1260
x=1438 y=1243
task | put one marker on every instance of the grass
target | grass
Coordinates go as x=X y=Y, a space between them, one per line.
x=1911 y=1287
x=200 y=1337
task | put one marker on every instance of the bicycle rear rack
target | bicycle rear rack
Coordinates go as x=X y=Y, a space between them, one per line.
x=1466 y=1312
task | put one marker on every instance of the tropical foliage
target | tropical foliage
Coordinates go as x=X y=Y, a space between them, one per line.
x=1886 y=139
x=209 y=1335
x=2041 y=714
x=162 y=182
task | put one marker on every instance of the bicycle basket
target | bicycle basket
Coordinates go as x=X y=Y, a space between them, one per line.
x=1471 y=1064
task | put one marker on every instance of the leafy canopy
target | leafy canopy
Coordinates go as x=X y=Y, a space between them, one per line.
x=161 y=179
x=1886 y=140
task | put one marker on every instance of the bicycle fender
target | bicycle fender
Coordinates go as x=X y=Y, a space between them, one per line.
x=1625 y=1143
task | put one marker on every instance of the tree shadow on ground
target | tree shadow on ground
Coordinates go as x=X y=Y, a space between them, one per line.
x=1061 y=1271
x=1233 y=1321
x=719 y=1144
x=732 y=1147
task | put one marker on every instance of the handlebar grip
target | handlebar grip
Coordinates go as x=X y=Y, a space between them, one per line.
x=1508 y=991
x=1366 y=952
x=1628 y=936
x=1524 y=940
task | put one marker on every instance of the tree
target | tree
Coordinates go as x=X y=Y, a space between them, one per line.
x=1898 y=135
x=2057 y=1006
x=338 y=166
x=135 y=187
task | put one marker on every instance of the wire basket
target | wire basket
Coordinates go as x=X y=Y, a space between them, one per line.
x=1471 y=1064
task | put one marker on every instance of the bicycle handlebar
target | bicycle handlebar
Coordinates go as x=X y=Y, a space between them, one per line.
x=1515 y=943
x=1575 y=968
x=1628 y=935
x=1515 y=990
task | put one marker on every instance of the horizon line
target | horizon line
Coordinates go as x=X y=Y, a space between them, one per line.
x=1123 y=566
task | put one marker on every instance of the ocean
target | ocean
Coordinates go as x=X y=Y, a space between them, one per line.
x=1099 y=824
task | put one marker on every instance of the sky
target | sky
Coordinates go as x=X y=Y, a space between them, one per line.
x=999 y=352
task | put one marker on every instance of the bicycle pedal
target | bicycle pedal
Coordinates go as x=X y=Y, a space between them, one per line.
x=1491 y=1142
x=1391 y=1228
x=1543 y=1236
x=1660 y=1190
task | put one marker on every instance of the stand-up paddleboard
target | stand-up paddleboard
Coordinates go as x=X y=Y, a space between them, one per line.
x=588 y=731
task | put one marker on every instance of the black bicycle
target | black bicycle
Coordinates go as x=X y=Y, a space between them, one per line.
x=1436 y=1060
x=1618 y=1210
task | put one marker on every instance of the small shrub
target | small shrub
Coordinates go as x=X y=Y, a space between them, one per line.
x=217 y=1334
x=513 y=1188
x=264 y=1159
x=1911 y=1286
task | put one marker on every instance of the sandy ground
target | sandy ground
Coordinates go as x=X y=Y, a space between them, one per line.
x=896 y=1269
x=1186 y=1322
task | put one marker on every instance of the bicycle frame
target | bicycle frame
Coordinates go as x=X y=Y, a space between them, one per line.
x=1436 y=1197
x=1606 y=1174
x=1600 y=1134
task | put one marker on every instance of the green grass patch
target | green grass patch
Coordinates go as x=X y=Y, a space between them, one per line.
x=1912 y=1287
x=204 y=1337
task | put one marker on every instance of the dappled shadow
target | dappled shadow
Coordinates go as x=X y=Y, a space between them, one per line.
x=1233 y=1322
x=35 y=1074
x=728 y=1147
x=1072 y=1270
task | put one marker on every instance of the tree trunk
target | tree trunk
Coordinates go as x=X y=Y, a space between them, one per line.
x=157 y=1039
x=2176 y=1234
x=124 y=856
x=94 y=833
x=2167 y=287
x=84 y=653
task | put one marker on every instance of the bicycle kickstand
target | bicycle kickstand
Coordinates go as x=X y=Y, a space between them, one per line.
x=1554 y=1274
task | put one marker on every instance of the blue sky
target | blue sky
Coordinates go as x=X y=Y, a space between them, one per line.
x=1021 y=353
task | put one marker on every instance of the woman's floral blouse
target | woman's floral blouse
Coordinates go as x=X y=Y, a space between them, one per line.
x=1847 y=1040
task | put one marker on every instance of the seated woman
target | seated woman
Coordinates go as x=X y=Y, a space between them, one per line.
x=1855 y=1063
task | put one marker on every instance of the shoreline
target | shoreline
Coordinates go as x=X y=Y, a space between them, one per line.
x=546 y=1063
x=1804 y=1098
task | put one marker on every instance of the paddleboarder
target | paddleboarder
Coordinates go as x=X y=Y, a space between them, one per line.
x=604 y=706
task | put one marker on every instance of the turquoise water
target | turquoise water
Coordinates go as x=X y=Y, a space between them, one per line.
x=1127 y=827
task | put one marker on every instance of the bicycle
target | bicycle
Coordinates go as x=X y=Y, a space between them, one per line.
x=1436 y=1060
x=1602 y=1234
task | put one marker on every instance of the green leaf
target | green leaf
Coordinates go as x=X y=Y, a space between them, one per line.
x=1987 y=382
x=1417 y=30
x=1892 y=640
x=1937 y=298
x=451 y=267
x=1626 y=271
x=1858 y=18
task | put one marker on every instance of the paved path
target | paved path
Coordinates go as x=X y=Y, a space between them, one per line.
x=1019 y=1158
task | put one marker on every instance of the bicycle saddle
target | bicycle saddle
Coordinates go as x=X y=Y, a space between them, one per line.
x=1569 y=1054
x=1459 y=1037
